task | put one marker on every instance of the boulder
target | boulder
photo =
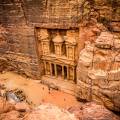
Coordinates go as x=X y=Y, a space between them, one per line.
x=22 y=107
x=12 y=115
x=5 y=106
x=92 y=111
x=49 y=112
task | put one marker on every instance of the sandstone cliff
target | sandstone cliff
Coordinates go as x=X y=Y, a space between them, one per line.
x=98 y=65
x=99 y=71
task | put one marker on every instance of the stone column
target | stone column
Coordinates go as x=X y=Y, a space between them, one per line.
x=60 y=49
x=48 y=49
x=67 y=72
x=73 y=52
x=45 y=67
x=50 y=68
x=67 y=50
x=55 y=70
x=42 y=47
x=73 y=74
x=55 y=49
x=63 y=72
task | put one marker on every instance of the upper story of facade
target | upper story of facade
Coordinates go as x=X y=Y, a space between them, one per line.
x=58 y=44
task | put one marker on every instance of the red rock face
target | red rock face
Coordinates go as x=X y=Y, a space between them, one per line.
x=10 y=111
x=5 y=106
x=12 y=115
x=98 y=71
x=22 y=111
x=49 y=112
x=98 y=66
x=93 y=111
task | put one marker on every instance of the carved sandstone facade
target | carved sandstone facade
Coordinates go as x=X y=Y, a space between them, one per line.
x=58 y=53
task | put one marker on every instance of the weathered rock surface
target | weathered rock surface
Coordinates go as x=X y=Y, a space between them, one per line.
x=10 y=111
x=5 y=106
x=22 y=111
x=12 y=115
x=99 y=71
x=98 y=66
x=49 y=112
x=92 y=111
x=22 y=107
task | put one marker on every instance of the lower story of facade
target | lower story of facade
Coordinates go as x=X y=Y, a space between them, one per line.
x=58 y=70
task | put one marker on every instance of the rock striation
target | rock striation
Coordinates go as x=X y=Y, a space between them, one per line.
x=99 y=71
x=92 y=111
x=49 y=112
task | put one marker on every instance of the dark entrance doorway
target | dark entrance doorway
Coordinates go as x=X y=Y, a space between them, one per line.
x=53 y=70
x=59 y=70
x=65 y=72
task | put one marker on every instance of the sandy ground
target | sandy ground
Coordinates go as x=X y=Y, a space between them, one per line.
x=37 y=93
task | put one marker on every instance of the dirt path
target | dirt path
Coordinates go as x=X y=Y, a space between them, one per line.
x=36 y=92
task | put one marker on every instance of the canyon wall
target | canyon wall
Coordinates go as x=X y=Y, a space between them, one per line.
x=19 y=20
x=17 y=40
x=99 y=71
x=98 y=76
